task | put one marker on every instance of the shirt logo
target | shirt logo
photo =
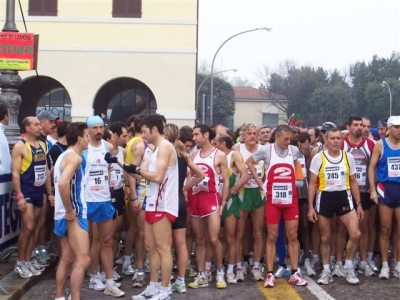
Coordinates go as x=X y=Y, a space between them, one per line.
x=283 y=173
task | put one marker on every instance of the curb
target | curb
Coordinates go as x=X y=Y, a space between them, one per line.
x=17 y=286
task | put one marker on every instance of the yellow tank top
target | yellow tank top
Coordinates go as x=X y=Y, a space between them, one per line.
x=129 y=154
x=334 y=176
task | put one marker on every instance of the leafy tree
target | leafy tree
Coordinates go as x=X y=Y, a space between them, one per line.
x=223 y=104
x=238 y=81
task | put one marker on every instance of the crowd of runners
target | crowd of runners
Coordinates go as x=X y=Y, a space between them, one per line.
x=275 y=202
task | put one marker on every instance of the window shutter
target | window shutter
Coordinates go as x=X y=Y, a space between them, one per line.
x=50 y=8
x=118 y=9
x=135 y=8
x=35 y=8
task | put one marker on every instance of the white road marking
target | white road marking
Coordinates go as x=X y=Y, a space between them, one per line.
x=316 y=290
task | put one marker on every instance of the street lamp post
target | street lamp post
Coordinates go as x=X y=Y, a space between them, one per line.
x=390 y=96
x=212 y=67
x=208 y=76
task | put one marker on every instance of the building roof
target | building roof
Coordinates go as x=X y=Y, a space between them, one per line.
x=250 y=93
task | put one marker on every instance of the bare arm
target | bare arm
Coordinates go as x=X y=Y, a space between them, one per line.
x=49 y=196
x=376 y=154
x=241 y=168
x=17 y=155
x=355 y=190
x=223 y=165
x=199 y=175
x=312 y=187
x=250 y=165
x=69 y=166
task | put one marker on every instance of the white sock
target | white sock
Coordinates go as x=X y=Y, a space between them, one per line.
x=307 y=260
x=369 y=255
x=316 y=256
x=127 y=260
x=398 y=265
x=332 y=258
x=180 y=280
x=230 y=268
x=153 y=286
x=363 y=263
x=339 y=263
x=109 y=281
x=385 y=264
x=208 y=265
x=189 y=262
x=326 y=268
x=348 y=264
x=256 y=265
x=238 y=265
x=60 y=298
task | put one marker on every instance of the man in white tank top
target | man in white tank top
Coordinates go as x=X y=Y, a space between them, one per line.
x=99 y=207
x=70 y=220
x=162 y=204
x=252 y=201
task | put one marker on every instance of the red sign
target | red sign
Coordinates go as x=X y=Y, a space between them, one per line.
x=17 y=51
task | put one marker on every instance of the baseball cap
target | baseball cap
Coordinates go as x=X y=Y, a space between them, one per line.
x=294 y=128
x=328 y=125
x=46 y=115
x=393 y=120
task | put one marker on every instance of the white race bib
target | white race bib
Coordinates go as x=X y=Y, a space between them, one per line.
x=281 y=193
x=40 y=175
x=202 y=186
x=361 y=174
x=97 y=181
x=333 y=176
x=393 y=166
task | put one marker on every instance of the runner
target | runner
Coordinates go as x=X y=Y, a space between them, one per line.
x=334 y=172
x=70 y=216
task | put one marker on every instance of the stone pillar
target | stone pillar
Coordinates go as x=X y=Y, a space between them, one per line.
x=10 y=82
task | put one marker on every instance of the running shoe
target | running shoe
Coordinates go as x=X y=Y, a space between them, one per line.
x=96 y=283
x=138 y=279
x=309 y=270
x=36 y=265
x=239 y=275
x=190 y=271
x=396 y=272
x=257 y=275
x=315 y=263
x=351 y=275
x=220 y=278
x=178 y=287
x=128 y=270
x=270 y=281
x=337 y=272
x=198 y=282
x=282 y=272
x=43 y=255
x=22 y=271
x=230 y=278
x=384 y=274
x=148 y=293
x=113 y=290
x=116 y=276
x=372 y=265
x=297 y=279
x=33 y=270
x=325 y=277
x=365 y=269
x=208 y=275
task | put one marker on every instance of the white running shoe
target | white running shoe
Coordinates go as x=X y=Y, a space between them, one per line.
x=282 y=272
x=351 y=276
x=138 y=279
x=396 y=272
x=33 y=270
x=257 y=275
x=128 y=270
x=309 y=270
x=315 y=263
x=239 y=275
x=146 y=294
x=297 y=279
x=113 y=290
x=384 y=274
x=96 y=283
x=372 y=265
x=365 y=270
x=270 y=281
x=230 y=278
x=337 y=272
x=22 y=271
x=325 y=277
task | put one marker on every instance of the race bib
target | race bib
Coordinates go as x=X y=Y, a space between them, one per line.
x=393 y=166
x=282 y=193
x=258 y=168
x=333 y=176
x=114 y=178
x=361 y=175
x=97 y=181
x=202 y=186
x=40 y=175
x=148 y=190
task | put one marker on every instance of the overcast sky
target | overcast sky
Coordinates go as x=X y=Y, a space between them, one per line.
x=328 y=33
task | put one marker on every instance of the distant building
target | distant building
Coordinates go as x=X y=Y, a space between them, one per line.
x=259 y=107
x=121 y=57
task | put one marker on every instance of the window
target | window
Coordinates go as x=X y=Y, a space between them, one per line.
x=42 y=8
x=270 y=120
x=127 y=9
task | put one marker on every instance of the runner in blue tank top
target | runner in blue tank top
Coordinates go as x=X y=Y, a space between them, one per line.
x=384 y=180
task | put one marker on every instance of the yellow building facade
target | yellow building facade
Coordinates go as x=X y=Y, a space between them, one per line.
x=91 y=61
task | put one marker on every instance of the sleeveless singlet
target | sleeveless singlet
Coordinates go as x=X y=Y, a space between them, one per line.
x=388 y=168
x=163 y=197
x=259 y=166
x=334 y=176
x=211 y=181
x=117 y=173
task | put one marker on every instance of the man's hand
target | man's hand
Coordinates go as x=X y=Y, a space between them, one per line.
x=360 y=212
x=50 y=198
x=312 y=215
x=374 y=197
x=135 y=205
x=110 y=159
x=221 y=208
x=70 y=215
